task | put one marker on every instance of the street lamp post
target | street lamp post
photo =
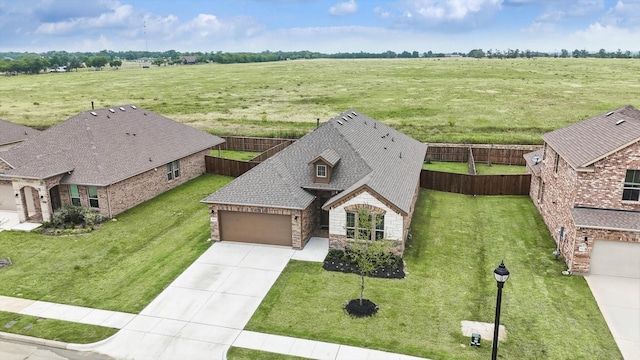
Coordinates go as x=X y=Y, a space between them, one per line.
x=501 y=274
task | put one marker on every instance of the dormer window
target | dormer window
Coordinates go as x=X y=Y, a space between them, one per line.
x=323 y=165
x=321 y=171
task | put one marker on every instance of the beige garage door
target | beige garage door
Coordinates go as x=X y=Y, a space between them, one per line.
x=7 y=199
x=616 y=259
x=255 y=228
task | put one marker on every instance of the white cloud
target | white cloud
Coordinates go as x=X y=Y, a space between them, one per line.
x=624 y=13
x=119 y=16
x=344 y=8
x=467 y=13
x=607 y=37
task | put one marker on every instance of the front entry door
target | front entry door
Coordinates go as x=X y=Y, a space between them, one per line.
x=54 y=195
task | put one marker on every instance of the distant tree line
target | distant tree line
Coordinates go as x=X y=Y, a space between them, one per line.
x=34 y=63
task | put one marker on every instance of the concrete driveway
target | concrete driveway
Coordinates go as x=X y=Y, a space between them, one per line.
x=619 y=302
x=205 y=309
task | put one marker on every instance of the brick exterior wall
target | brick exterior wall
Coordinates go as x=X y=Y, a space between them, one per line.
x=301 y=228
x=556 y=193
x=121 y=196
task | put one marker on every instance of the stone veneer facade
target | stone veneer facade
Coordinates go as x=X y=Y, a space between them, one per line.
x=556 y=193
x=394 y=222
x=302 y=221
x=113 y=199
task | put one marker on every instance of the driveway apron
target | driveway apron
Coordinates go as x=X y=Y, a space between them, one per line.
x=619 y=301
x=205 y=309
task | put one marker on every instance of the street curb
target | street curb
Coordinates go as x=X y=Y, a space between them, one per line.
x=33 y=340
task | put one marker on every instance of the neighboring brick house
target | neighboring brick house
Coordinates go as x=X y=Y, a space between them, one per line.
x=586 y=185
x=320 y=182
x=10 y=135
x=108 y=159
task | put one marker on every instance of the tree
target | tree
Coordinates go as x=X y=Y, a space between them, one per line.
x=564 y=53
x=115 y=63
x=158 y=61
x=476 y=53
x=74 y=63
x=368 y=254
x=98 y=62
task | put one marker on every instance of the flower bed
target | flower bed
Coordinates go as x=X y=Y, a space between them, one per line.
x=337 y=260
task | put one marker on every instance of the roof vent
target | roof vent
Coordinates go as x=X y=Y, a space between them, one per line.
x=354 y=113
x=94 y=113
x=121 y=108
x=111 y=111
x=349 y=115
x=344 y=118
x=609 y=113
x=536 y=160
x=339 y=122
x=374 y=125
x=133 y=107
x=620 y=121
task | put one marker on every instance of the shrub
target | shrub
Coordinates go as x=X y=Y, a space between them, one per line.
x=69 y=216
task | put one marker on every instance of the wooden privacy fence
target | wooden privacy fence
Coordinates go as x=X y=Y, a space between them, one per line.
x=272 y=151
x=227 y=167
x=495 y=154
x=476 y=184
x=256 y=144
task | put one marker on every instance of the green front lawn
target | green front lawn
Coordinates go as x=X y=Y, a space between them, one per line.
x=457 y=243
x=51 y=329
x=121 y=266
x=236 y=353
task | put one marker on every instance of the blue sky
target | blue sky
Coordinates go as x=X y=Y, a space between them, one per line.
x=319 y=25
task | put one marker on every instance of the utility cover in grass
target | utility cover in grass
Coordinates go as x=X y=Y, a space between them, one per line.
x=368 y=308
x=5 y=262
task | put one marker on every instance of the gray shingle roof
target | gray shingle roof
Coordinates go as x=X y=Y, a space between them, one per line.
x=535 y=166
x=107 y=147
x=606 y=219
x=329 y=156
x=11 y=133
x=369 y=154
x=588 y=141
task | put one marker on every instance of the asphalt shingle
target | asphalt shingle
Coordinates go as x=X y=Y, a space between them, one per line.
x=606 y=219
x=110 y=146
x=369 y=152
x=11 y=133
x=588 y=141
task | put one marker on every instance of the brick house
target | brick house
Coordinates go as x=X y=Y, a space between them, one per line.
x=319 y=183
x=10 y=135
x=108 y=159
x=586 y=185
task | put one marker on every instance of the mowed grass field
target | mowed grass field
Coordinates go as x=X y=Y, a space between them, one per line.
x=433 y=100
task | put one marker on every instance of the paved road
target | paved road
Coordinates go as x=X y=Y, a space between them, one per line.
x=11 y=350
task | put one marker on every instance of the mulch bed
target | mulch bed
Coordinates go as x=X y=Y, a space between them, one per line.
x=368 y=308
x=336 y=260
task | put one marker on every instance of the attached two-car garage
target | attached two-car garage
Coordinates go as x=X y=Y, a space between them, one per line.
x=616 y=258
x=255 y=228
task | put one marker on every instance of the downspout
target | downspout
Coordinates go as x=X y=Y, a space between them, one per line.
x=109 y=201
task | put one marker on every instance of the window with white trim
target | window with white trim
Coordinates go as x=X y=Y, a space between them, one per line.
x=374 y=230
x=631 y=190
x=321 y=171
x=173 y=170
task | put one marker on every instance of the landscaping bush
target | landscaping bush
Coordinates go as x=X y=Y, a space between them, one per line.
x=339 y=260
x=72 y=219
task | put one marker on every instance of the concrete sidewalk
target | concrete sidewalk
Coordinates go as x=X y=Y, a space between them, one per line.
x=204 y=311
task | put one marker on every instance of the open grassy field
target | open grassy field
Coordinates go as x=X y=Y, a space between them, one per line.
x=433 y=100
x=457 y=243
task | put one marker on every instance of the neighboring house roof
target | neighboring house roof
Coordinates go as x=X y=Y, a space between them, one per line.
x=371 y=154
x=12 y=133
x=606 y=219
x=102 y=149
x=534 y=160
x=588 y=141
x=188 y=59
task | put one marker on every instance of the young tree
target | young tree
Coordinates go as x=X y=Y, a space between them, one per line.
x=365 y=251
